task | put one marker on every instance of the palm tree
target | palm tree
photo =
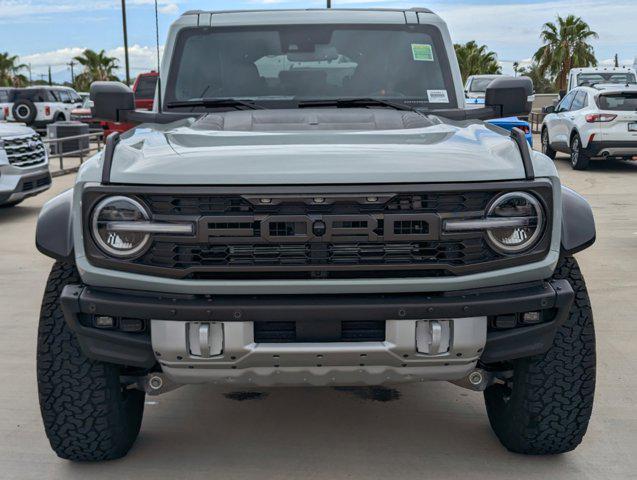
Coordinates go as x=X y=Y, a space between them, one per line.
x=476 y=60
x=541 y=84
x=10 y=70
x=97 y=67
x=565 y=46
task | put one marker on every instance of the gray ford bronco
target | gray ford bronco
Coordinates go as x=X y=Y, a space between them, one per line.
x=310 y=203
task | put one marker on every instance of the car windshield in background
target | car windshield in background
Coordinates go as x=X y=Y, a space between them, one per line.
x=402 y=63
x=479 y=85
x=590 y=79
x=146 y=87
x=618 y=101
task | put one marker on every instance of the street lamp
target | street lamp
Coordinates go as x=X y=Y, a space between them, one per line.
x=125 y=42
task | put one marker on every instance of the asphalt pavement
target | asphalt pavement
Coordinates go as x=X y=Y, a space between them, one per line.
x=418 y=431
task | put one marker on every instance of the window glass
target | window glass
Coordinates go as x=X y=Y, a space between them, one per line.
x=479 y=85
x=626 y=101
x=578 y=101
x=145 y=89
x=591 y=79
x=566 y=102
x=312 y=62
x=64 y=96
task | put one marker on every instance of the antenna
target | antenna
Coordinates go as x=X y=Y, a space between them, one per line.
x=159 y=107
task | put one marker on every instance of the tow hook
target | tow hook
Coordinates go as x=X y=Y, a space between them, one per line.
x=479 y=379
x=156 y=384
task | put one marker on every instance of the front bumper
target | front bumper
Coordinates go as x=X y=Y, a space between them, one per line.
x=17 y=184
x=242 y=361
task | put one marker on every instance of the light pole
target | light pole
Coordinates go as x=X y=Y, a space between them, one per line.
x=329 y=3
x=125 y=42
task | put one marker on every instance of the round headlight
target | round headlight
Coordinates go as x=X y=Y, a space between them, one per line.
x=521 y=218
x=117 y=241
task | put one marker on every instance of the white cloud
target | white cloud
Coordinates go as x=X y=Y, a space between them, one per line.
x=169 y=9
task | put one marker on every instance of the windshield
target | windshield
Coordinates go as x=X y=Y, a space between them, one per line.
x=626 y=101
x=406 y=63
x=479 y=85
x=590 y=79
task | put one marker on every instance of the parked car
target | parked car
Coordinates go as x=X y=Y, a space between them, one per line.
x=24 y=165
x=592 y=76
x=289 y=228
x=39 y=106
x=144 y=89
x=513 y=122
x=591 y=123
x=476 y=85
x=84 y=114
x=5 y=101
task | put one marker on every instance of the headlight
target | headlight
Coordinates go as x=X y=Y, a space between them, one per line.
x=112 y=236
x=516 y=222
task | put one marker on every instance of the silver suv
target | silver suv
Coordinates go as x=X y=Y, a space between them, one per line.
x=311 y=203
x=24 y=164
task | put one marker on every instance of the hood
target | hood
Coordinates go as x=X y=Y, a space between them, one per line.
x=14 y=130
x=229 y=153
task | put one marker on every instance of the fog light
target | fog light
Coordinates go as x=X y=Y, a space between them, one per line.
x=531 y=317
x=131 y=325
x=104 y=322
x=506 y=321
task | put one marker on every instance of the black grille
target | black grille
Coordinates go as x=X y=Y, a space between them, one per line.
x=183 y=256
x=328 y=331
x=36 y=183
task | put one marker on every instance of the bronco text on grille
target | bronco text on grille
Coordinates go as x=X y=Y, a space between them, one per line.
x=25 y=151
x=361 y=232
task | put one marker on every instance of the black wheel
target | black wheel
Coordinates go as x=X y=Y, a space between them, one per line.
x=88 y=414
x=579 y=158
x=546 y=145
x=545 y=407
x=24 y=111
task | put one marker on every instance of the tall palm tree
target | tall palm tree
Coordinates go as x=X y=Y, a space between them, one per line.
x=476 y=59
x=566 y=46
x=97 y=67
x=10 y=70
x=541 y=84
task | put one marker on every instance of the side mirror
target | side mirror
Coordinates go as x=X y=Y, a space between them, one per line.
x=562 y=94
x=111 y=100
x=548 y=109
x=511 y=96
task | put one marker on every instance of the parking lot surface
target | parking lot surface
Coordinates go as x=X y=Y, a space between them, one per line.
x=431 y=430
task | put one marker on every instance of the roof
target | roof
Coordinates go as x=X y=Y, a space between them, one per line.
x=601 y=69
x=607 y=88
x=413 y=9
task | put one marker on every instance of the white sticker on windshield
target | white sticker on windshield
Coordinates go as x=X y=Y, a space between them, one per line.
x=437 y=96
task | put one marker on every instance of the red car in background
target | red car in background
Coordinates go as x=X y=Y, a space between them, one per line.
x=144 y=88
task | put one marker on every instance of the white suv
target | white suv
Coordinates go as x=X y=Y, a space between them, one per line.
x=593 y=123
x=39 y=106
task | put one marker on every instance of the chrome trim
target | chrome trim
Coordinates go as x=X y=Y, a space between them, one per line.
x=486 y=223
x=151 y=227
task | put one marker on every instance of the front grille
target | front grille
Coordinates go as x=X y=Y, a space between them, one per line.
x=34 y=183
x=376 y=232
x=25 y=151
x=324 y=331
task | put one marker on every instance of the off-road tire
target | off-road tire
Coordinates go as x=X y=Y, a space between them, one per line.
x=87 y=414
x=546 y=145
x=546 y=406
x=18 y=107
x=579 y=158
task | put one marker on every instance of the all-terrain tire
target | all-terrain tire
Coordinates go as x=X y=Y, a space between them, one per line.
x=88 y=415
x=546 y=406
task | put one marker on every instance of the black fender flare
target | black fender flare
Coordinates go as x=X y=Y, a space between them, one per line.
x=578 y=223
x=54 y=230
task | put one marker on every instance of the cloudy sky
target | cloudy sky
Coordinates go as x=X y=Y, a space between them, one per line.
x=51 y=32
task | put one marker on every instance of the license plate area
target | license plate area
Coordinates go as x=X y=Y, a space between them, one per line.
x=301 y=331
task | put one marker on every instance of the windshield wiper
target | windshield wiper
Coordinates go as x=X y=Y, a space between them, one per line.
x=353 y=103
x=215 y=102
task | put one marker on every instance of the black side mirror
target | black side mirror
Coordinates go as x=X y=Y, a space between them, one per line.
x=111 y=100
x=548 y=109
x=562 y=94
x=510 y=96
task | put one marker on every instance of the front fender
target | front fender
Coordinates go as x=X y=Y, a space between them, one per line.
x=54 y=231
x=578 y=223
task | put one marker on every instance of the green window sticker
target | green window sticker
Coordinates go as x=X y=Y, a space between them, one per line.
x=422 y=52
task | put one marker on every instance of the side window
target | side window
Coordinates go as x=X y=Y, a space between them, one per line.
x=578 y=101
x=566 y=102
x=4 y=96
x=64 y=96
